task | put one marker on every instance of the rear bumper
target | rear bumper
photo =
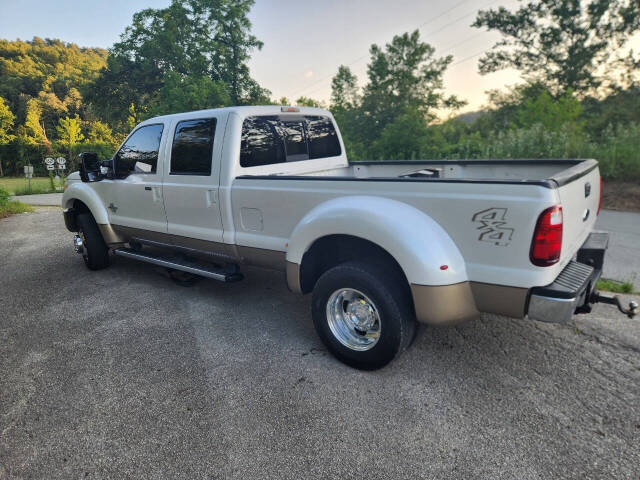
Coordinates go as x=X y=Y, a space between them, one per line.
x=572 y=289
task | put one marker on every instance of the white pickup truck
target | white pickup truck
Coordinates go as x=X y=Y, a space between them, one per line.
x=379 y=244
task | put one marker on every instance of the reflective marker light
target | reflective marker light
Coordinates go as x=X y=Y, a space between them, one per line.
x=444 y=267
x=547 y=238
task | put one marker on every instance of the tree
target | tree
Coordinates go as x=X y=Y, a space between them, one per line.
x=163 y=47
x=405 y=75
x=180 y=93
x=344 y=89
x=70 y=133
x=561 y=43
x=6 y=125
x=309 y=102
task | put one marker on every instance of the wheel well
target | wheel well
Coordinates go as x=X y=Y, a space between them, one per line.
x=71 y=215
x=327 y=252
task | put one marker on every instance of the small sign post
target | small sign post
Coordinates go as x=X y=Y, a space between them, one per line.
x=28 y=173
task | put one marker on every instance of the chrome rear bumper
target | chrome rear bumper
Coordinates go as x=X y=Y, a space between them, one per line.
x=571 y=290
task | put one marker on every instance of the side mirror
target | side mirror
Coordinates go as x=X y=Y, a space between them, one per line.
x=90 y=170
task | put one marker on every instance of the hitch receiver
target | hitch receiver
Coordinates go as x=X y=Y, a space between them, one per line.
x=631 y=311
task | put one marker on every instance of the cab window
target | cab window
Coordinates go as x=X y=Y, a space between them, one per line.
x=139 y=154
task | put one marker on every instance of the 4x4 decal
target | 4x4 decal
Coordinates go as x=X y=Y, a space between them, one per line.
x=492 y=226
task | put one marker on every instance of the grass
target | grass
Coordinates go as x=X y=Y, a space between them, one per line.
x=615 y=286
x=13 y=207
x=19 y=185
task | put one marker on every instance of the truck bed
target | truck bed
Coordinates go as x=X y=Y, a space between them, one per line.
x=452 y=193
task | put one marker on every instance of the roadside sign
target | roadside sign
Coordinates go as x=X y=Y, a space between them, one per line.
x=61 y=160
x=49 y=161
x=28 y=171
x=50 y=167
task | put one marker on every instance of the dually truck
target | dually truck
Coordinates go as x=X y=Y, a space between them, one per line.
x=380 y=245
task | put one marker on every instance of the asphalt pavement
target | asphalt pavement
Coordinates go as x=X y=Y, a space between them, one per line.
x=122 y=374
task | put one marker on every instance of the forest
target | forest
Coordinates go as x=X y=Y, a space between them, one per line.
x=579 y=94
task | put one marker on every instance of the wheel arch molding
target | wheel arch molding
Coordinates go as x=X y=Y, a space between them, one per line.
x=415 y=242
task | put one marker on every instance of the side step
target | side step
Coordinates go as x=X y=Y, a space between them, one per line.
x=180 y=264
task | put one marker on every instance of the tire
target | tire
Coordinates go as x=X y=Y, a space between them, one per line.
x=380 y=305
x=95 y=251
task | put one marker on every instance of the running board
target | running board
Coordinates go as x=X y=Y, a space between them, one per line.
x=182 y=264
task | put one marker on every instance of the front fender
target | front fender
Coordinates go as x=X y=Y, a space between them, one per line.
x=417 y=242
x=88 y=196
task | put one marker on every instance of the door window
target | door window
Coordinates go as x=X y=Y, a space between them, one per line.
x=139 y=154
x=192 y=149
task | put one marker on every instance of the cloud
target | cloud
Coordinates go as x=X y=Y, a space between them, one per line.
x=308 y=73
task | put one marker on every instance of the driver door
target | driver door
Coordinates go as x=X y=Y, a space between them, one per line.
x=134 y=198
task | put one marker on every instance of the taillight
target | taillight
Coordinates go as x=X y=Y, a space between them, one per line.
x=600 y=199
x=547 y=238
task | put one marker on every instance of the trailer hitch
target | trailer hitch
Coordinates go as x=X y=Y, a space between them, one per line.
x=631 y=311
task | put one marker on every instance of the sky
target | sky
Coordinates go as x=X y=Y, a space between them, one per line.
x=304 y=41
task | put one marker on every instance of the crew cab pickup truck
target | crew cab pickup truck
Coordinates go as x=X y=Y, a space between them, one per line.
x=380 y=245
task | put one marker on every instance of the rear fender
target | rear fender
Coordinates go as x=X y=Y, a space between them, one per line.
x=422 y=248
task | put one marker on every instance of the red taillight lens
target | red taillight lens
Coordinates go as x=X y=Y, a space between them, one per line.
x=547 y=238
x=600 y=199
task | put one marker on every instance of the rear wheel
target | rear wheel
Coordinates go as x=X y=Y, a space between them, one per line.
x=363 y=315
x=94 y=251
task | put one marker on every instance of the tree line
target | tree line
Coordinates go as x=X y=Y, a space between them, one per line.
x=579 y=96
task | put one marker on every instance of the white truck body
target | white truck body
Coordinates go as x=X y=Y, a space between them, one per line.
x=460 y=231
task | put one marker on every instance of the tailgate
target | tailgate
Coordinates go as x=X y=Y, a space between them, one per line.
x=579 y=192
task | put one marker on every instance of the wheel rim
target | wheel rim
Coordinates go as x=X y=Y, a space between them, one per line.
x=353 y=319
x=85 y=253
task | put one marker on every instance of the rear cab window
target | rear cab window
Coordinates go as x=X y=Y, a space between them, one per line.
x=274 y=139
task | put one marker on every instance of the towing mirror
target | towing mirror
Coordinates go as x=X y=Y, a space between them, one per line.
x=91 y=168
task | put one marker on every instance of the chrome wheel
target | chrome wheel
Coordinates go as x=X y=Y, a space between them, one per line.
x=353 y=319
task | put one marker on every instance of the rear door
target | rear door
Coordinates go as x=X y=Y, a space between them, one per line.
x=191 y=181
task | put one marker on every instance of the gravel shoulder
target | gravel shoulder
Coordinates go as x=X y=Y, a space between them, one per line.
x=122 y=374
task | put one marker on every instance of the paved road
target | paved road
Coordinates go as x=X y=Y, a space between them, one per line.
x=122 y=374
x=623 y=256
x=43 y=199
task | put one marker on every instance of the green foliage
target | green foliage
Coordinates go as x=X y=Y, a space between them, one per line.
x=6 y=123
x=344 y=90
x=9 y=207
x=614 y=286
x=184 y=93
x=175 y=54
x=560 y=43
x=309 y=102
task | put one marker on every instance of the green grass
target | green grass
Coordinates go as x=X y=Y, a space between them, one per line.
x=19 y=185
x=12 y=207
x=615 y=286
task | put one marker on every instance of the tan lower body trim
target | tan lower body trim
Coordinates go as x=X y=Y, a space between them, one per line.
x=444 y=304
x=293 y=277
x=110 y=236
x=499 y=299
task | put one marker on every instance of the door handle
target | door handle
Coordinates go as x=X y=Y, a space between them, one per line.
x=212 y=197
x=147 y=188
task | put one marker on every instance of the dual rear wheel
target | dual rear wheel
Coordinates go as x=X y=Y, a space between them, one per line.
x=362 y=314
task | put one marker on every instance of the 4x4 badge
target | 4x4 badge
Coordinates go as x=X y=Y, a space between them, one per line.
x=492 y=226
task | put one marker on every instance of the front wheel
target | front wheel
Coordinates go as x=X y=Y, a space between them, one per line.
x=94 y=251
x=362 y=314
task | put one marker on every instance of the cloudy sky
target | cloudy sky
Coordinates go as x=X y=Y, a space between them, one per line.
x=304 y=41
